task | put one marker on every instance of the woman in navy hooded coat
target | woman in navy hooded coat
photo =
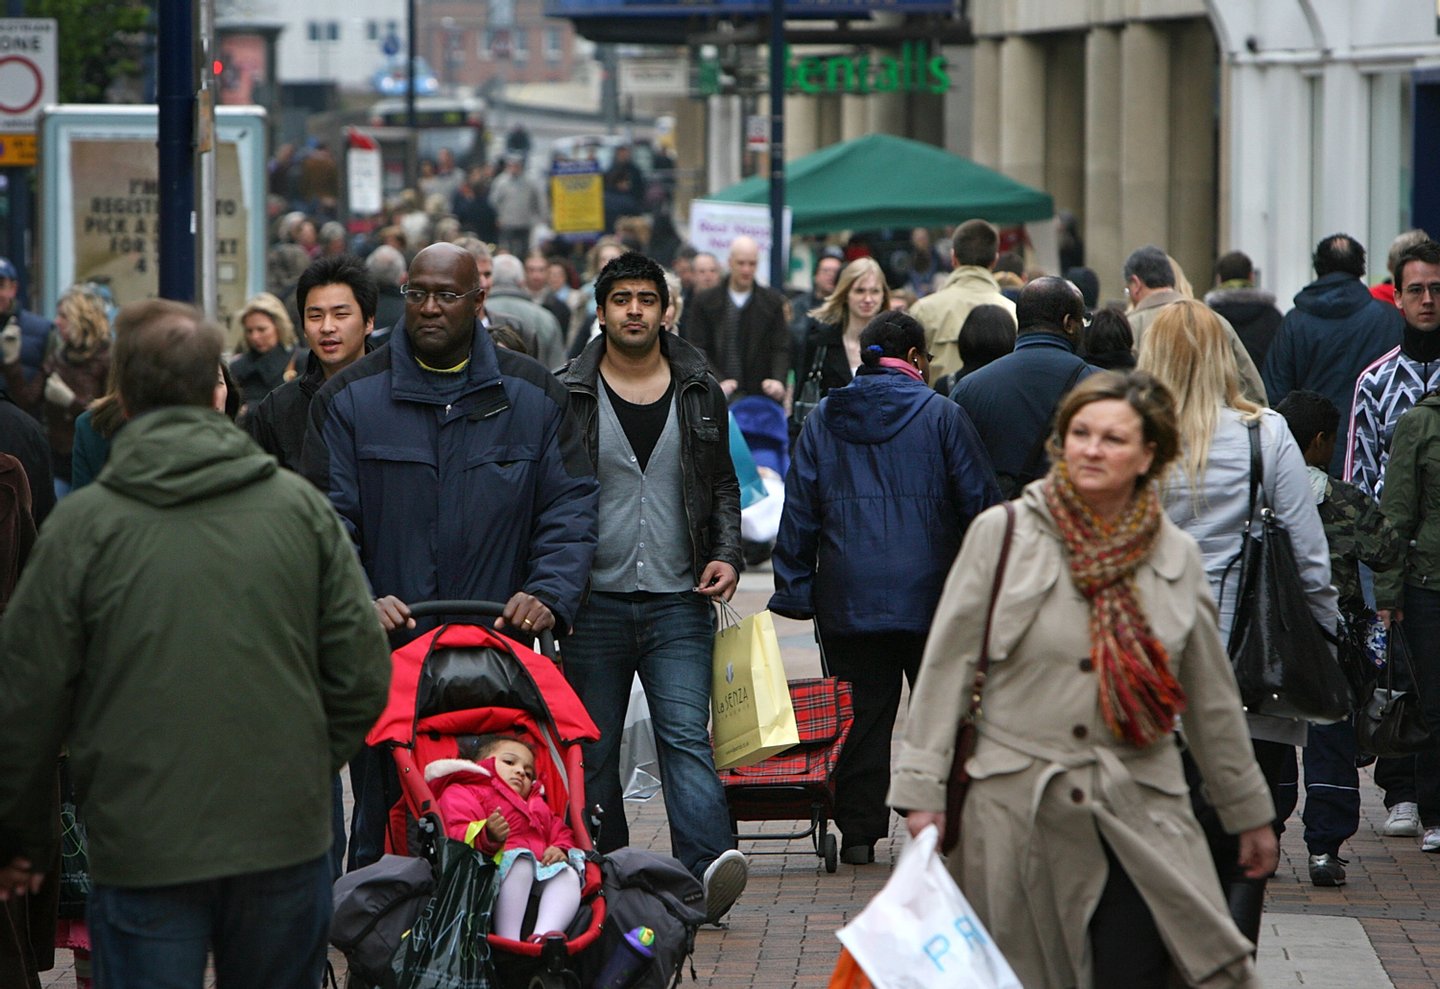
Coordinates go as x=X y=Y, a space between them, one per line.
x=884 y=480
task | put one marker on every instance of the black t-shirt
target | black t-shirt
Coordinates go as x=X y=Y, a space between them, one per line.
x=643 y=424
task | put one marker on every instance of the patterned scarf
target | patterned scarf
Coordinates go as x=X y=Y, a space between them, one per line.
x=1139 y=696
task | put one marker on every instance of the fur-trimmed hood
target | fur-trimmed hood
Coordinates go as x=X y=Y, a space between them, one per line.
x=444 y=772
x=1239 y=296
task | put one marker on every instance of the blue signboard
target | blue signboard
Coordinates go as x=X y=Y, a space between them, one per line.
x=741 y=8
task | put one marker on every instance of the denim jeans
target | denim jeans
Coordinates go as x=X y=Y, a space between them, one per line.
x=267 y=930
x=376 y=788
x=668 y=639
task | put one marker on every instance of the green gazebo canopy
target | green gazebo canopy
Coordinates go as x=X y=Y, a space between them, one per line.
x=885 y=181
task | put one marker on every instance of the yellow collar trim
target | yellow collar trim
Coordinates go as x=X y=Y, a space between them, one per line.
x=444 y=370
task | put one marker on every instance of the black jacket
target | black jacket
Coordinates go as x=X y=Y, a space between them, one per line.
x=764 y=333
x=1252 y=313
x=279 y=422
x=712 y=494
x=834 y=367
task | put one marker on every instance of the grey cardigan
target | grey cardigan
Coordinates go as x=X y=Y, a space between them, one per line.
x=1214 y=512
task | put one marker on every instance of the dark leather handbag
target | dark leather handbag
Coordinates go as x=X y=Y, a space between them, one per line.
x=1391 y=723
x=1284 y=661
x=808 y=394
x=965 y=736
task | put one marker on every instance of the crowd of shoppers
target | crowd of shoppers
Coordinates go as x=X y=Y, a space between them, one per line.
x=572 y=467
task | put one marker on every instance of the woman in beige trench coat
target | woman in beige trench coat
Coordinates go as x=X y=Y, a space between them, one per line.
x=1078 y=846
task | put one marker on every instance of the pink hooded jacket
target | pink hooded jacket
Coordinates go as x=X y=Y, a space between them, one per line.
x=468 y=791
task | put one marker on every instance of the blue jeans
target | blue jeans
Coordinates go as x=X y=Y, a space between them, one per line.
x=668 y=639
x=267 y=929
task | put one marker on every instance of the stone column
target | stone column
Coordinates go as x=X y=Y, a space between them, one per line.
x=985 y=130
x=1022 y=107
x=1104 y=251
x=1144 y=109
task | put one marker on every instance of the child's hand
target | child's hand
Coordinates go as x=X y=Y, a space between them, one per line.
x=497 y=827
x=552 y=856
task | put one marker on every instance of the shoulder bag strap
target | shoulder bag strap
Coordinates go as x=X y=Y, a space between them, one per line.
x=982 y=667
x=1257 y=467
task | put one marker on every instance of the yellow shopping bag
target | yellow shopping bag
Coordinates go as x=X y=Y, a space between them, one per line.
x=749 y=698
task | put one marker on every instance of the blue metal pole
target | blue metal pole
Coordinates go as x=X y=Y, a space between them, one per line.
x=779 y=261
x=175 y=102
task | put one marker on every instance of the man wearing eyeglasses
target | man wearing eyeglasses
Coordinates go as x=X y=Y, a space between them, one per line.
x=1396 y=380
x=459 y=472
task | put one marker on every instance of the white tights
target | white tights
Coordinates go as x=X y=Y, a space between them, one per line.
x=559 y=900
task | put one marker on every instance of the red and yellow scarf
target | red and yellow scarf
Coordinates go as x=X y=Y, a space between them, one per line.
x=1139 y=696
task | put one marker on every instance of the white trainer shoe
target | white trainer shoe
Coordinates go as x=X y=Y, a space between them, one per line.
x=1431 y=841
x=1403 y=822
x=724 y=882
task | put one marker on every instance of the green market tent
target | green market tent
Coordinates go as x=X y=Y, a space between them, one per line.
x=884 y=181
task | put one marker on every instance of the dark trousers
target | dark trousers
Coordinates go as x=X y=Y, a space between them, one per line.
x=1125 y=944
x=874 y=664
x=1421 y=629
x=376 y=788
x=267 y=930
x=1332 y=788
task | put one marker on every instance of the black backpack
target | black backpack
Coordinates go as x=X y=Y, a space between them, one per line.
x=374 y=907
x=654 y=891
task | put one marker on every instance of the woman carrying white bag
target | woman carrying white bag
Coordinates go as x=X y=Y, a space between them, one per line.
x=1078 y=848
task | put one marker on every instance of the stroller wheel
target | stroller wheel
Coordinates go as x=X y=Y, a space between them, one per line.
x=832 y=853
x=555 y=980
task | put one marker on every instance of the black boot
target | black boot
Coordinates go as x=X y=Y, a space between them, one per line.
x=1247 y=901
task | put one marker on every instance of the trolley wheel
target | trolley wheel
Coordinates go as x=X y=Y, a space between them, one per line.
x=832 y=853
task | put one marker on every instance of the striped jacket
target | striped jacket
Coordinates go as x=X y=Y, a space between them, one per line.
x=1385 y=391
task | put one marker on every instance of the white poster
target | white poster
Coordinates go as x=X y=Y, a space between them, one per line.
x=362 y=171
x=713 y=225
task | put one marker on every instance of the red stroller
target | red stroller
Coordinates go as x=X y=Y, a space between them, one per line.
x=470 y=680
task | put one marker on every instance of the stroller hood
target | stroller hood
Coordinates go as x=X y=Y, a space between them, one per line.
x=459 y=667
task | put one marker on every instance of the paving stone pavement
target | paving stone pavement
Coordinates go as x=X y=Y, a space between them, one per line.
x=1377 y=932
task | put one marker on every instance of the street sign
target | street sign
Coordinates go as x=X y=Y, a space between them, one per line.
x=577 y=199
x=757 y=132
x=28 y=72
x=17 y=149
x=654 y=76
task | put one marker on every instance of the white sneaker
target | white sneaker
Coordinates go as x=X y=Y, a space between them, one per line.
x=724 y=882
x=1403 y=822
x=1431 y=841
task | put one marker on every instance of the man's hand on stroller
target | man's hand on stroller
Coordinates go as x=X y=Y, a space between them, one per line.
x=497 y=827
x=393 y=613
x=552 y=856
x=527 y=613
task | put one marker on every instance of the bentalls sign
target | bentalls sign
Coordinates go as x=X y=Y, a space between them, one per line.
x=915 y=71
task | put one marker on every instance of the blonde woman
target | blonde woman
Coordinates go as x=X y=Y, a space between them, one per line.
x=1188 y=350
x=264 y=349
x=834 y=341
x=72 y=375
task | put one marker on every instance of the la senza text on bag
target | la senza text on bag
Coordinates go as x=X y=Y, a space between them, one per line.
x=738 y=697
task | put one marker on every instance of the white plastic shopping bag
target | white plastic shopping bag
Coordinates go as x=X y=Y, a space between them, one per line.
x=919 y=932
x=639 y=764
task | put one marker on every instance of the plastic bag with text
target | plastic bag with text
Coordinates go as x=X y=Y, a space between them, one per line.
x=919 y=932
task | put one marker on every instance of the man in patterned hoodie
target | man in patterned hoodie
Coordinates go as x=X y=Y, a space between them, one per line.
x=1385 y=391
x=1391 y=386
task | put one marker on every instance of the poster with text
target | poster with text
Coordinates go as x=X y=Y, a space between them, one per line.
x=117 y=208
x=713 y=225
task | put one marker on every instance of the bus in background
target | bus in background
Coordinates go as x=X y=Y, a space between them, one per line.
x=454 y=122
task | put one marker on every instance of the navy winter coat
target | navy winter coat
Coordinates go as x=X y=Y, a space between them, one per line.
x=1335 y=331
x=474 y=496
x=884 y=481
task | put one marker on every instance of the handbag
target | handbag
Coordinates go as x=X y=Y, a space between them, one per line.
x=751 y=710
x=919 y=931
x=965 y=736
x=1284 y=661
x=808 y=395
x=1391 y=723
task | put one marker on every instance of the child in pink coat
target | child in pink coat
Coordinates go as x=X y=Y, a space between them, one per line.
x=489 y=798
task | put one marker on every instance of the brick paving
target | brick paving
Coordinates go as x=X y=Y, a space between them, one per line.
x=781 y=934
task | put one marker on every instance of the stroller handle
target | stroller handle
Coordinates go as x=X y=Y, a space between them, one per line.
x=478 y=609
